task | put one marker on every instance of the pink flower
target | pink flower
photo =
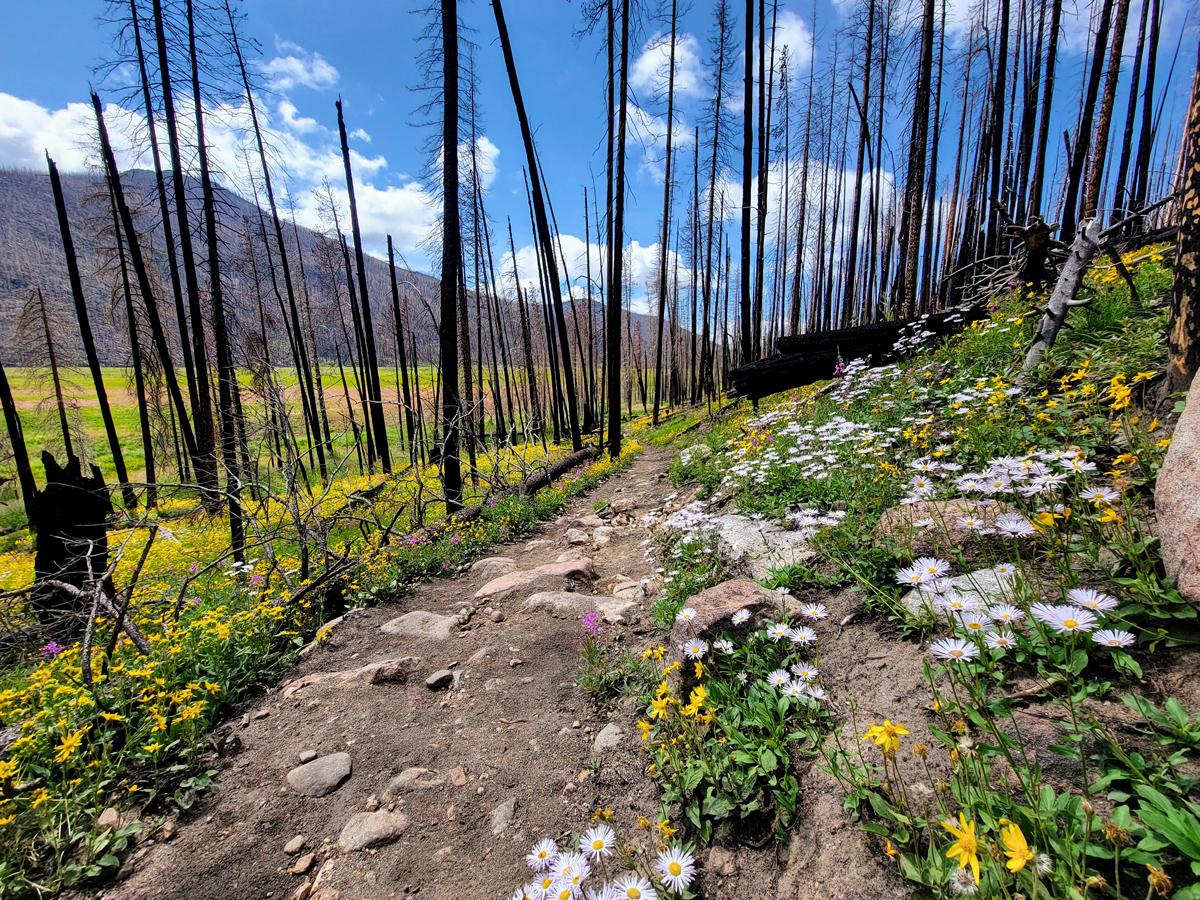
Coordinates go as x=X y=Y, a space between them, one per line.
x=52 y=650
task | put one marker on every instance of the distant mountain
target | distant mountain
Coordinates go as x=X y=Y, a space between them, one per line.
x=31 y=257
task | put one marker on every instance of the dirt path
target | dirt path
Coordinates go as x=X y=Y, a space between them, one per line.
x=507 y=749
x=454 y=783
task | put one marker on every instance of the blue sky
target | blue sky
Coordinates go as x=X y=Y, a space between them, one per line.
x=314 y=50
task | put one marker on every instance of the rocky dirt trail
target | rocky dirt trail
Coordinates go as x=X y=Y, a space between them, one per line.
x=423 y=746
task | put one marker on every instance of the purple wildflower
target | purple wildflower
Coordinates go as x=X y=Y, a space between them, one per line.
x=52 y=650
x=591 y=623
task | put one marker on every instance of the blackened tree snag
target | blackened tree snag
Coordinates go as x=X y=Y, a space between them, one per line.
x=451 y=260
x=1183 y=346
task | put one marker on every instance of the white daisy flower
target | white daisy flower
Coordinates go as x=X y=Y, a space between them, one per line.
x=999 y=639
x=1087 y=598
x=1005 y=612
x=598 y=842
x=1064 y=619
x=1005 y=570
x=724 y=645
x=932 y=566
x=1113 y=637
x=573 y=868
x=804 y=671
x=814 y=610
x=794 y=689
x=958 y=603
x=801 y=634
x=955 y=649
x=561 y=890
x=1099 y=495
x=632 y=886
x=911 y=575
x=1078 y=464
x=676 y=867
x=815 y=691
x=1014 y=525
x=694 y=648
x=777 y=631
x=778 y=678
x=542 y=854
x=685 y=615
x=974 y=622
x=531 y=891
x=742 y=615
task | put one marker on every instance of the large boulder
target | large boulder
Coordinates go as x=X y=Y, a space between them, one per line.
x=571 y=605
x=420 y=623
x=935 y=526
x=716 y=606
x=1177 y=500
x=548 y=576
x=321 y=776
x=756 y=546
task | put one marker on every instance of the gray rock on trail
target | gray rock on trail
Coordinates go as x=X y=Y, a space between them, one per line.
x=601 y=536
x=1177 y=500
x=570 y=605
x=899 y=523
x=413 y=778
x=371 y=829
x=983 y=585
x=609 y=737
x=589 y=521
x=321 y=776
x=420 y=624
x=715 y=607
x=295 y=845
x=576 y=536
x=502 y=815
x=758 y=546
x=389 y=671
x=572 y=569
x=491 y=566
x=307 y=756
x=440 y=680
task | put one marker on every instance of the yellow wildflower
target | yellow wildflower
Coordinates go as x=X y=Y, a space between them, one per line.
x=1016 y=848
x=965 y=847
x=68 y=746
x=886 y=736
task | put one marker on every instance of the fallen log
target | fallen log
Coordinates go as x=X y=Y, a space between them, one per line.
x=804 y=358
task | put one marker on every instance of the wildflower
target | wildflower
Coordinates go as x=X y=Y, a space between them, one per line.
x=598 y=842
x=1113 y=637
x=1086 y=598
x=676 y=867
x=658 y=707
x=974 y=622
x=632 y=886
x=1005 y=570
x=957 y=603
x=1099 y=495
x=804 y=671
x=724 y=645
x=695 y=648
x=1064 y=619
x=1014 y=525
x=1159 y=880
x=801 y=634
x=814 y=610
x=886 y=736
x=965 y=847
x=954 y=648
x=962 y=884
x=778 y=678
x=685 y=615
x=1016 y=848
x=644 y=728
x=1006 y=613
x=70 y=744
x=795 y=690
x=52 y=649
x=742 y=615
x=572 y=868
x=777 y=631
x=999 y=640
x=591 y=623
x=542 y=854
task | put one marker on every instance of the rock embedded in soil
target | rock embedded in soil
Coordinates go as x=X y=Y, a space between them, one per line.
x=716 y=606
x=502 y=815
x=371 y=829
x=321 y=776
x=982 y=585
x=609 y=738
x=420 y=624
x=491 y=566
x=413 y=778
x=758 y=546
x=302 y=864
x=440 y=680
x=1177 y=500
x=571 y=569
x=947 y=530
x=307 y=756
x=295 y=845
x=389 y=671
x=576 y=536
x=570 y=605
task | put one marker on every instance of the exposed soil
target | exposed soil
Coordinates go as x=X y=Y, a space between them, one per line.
x=513 y=727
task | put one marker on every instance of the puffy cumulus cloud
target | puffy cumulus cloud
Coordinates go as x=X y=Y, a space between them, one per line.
x=639 y=268
x=486 y=156
x=28 y=131
x=793 y=32
x=650 y=70
x=304 y=154
x=297 y=67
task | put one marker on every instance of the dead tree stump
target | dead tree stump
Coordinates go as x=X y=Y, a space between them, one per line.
x=70 y=517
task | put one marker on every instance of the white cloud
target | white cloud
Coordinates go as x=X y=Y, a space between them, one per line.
x=28 y=131
x=793 y=32
x=651 y=132
x=299 y=67
x=650 y=70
